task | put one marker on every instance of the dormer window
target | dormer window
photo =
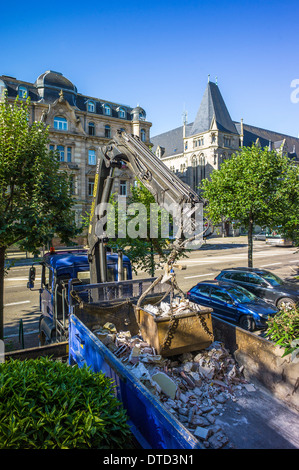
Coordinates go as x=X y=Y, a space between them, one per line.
x=60 y=123
x=122 y=113
x=107 y=110
x=91 y=107
x=22 y=92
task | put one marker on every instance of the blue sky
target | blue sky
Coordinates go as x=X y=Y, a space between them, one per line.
x=158 y=54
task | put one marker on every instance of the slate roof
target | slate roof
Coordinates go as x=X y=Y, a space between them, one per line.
x=49 y=85
x=251 y=133
x=173 y=139
x=171 y=142
x=212 y=104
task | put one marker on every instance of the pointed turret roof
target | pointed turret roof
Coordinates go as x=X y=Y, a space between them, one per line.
x=212 y=105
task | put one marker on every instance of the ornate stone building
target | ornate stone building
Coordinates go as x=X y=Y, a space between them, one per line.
x=194 y=150
x=78 y=126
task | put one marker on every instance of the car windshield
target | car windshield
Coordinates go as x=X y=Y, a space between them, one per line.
x=273 y=279
x=241 y=295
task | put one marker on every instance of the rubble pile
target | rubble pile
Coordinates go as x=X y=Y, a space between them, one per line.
x=193 y=387
x=163 y=309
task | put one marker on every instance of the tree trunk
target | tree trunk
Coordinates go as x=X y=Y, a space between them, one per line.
x=250 y=242
x=2 y=269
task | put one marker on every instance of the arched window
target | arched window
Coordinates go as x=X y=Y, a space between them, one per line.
x=107 y=110
x=91 y=128
x=107 y=132
x=202 y=167
x=60 y=123
x=143 y=135
x=91 y=107
x=22 y=92
x=194 y=172
x=92 y=157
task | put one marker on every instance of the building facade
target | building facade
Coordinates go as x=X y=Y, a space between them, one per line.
x=78 y=126
x=194 y=150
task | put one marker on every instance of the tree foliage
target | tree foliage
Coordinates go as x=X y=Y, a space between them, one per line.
x=35 y=199
x=255 y=187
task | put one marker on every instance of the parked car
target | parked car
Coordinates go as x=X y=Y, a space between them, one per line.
x=264 y=284
x=261 y=235
x=278 y=240
x=232 y=303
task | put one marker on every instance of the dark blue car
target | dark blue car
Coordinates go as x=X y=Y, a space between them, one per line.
x=233 y=303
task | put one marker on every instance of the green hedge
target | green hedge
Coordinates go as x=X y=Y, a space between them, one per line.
x=283 y=329
x=47 y=404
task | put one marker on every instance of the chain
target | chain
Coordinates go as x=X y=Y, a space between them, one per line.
x=174 y=320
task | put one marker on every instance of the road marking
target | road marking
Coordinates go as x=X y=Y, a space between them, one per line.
x=18 y=303
x=297 y=261
x=25 y=333
x=15 y=285
x=200 y=275
x=20 y=279
x=265 y=265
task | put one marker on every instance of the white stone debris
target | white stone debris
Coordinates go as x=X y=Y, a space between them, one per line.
x=178 y=306
x=193 y=387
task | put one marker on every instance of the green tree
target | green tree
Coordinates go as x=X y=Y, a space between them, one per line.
x=255 y=187
x=35 y=199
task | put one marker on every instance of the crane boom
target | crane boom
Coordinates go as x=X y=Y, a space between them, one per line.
x=168 y=190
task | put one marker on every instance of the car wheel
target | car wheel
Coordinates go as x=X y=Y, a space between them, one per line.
x=286 y=303
x=247 y=323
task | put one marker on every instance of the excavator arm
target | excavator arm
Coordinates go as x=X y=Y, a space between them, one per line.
x=168 y=190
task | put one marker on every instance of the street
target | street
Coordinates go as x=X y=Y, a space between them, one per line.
x=206 y=263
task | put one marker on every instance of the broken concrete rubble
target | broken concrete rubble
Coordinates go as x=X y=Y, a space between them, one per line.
x=193 y=387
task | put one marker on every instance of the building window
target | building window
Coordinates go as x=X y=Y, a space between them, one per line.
x=91 y=107
x=143 y=135
x=22 y=92
x=107 y=132
x=123 y=188
x=227 y=141
x=60 y=149
x=92 y=157
x=52 y=147
x=186 y=145
x=202 y=167
x=107 y=110
x=122 y=113
x=73 y=185
x=60 y=123
x=69 y=154
x=90 y=187
x=91 y=128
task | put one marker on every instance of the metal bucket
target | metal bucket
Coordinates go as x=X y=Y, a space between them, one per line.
x=185 y=332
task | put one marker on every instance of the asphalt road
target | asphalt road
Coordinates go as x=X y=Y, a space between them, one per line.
x=21 y=303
